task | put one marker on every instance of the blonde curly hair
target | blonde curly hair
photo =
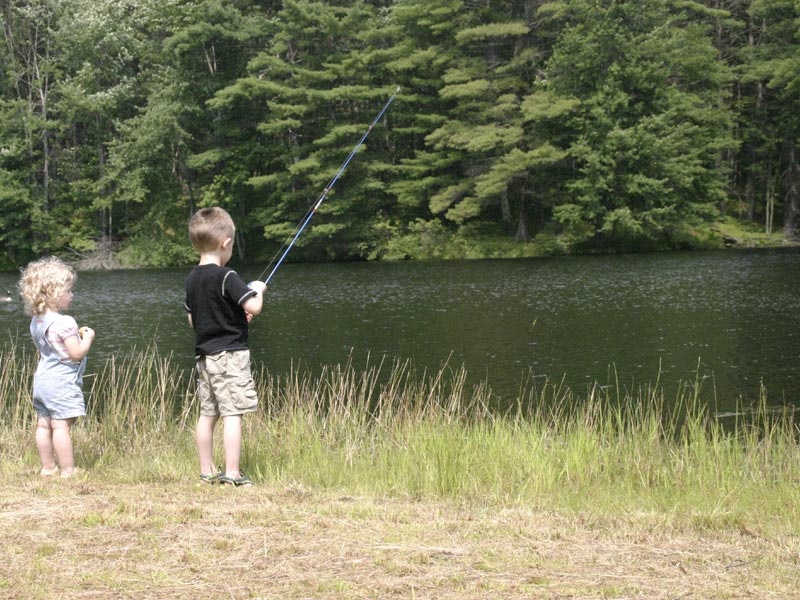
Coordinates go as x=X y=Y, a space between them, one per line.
x=43 y=282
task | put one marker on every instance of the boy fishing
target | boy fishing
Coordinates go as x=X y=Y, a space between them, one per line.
x=219 y=306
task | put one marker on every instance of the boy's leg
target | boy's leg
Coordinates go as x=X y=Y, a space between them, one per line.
x=235 y=391
x=62 y=444
x=204 y=436
x=44 y=444
x=232 y=443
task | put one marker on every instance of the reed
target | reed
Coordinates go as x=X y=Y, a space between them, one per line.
x=388 y=430
x=17 y=364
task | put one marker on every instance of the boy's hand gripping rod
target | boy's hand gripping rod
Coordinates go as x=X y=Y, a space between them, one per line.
x=305 y=221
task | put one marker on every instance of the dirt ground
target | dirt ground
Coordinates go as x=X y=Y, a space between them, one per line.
x=85 y=539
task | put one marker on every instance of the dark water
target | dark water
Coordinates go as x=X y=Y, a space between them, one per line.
x=730 y=318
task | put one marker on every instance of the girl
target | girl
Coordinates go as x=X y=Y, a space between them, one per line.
x=46 y=290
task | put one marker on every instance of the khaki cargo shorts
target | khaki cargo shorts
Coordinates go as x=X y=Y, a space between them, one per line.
x=224 y=384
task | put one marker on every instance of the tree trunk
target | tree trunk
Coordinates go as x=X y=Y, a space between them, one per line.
x=791 y=203
x=749 y=195
x=522 y=224
x=769 y=204
x=505 y=208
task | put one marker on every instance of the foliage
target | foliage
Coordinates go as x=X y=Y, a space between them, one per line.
x=593 y=124
x=389 y=430
x=651 y=125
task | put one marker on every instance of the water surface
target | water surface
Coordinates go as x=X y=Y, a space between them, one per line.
x=729 y=318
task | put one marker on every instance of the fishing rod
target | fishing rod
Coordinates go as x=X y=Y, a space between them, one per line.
x=307 y=218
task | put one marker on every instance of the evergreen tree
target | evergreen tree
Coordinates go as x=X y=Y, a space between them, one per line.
x=603 y=122
x=770 y=126
x=313 y=95
x=99 y=51
x=653 y=120
x=164 y=161
x=505 y=160
x=31 y=219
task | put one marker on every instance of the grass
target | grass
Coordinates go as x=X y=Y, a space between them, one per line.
x=744 y=234
x=393 y=484
x=476 y=240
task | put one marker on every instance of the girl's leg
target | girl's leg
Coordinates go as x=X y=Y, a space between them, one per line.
x=62 y=444
x=204 y=436
x=232 y=443
x=44 y=444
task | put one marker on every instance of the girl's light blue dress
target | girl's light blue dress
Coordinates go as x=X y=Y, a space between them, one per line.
x=58 y=382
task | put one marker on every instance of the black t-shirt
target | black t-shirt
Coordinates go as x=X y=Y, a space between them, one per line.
x=214 y=298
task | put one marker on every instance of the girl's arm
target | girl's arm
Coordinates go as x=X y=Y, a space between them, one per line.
x=77 y=346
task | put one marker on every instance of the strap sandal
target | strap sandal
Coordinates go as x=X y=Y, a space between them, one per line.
x=241 y=481
x=211 y=478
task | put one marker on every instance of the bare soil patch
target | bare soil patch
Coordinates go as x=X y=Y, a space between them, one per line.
x=85 y=539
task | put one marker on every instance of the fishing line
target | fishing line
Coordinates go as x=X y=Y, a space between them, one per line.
x=308 y=216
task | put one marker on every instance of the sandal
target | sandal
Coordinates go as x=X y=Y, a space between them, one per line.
x=211 y=478
x=241 y=481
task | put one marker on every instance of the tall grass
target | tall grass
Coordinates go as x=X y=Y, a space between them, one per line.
x=387 y=429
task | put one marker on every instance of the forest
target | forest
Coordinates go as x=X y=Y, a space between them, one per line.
x=522 y=127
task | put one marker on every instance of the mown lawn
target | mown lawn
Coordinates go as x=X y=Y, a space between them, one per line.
x=93 y=538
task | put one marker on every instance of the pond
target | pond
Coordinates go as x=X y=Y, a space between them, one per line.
x=729 y=319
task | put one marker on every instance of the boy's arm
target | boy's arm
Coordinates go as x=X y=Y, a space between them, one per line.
x=253 y=305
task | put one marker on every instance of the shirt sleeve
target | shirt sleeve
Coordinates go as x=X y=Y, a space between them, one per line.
x=61 y=329
x=236 y=288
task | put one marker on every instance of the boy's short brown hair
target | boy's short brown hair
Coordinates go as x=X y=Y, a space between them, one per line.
x=210 y=226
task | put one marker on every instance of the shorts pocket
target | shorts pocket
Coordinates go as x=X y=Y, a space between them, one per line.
x=244 y=396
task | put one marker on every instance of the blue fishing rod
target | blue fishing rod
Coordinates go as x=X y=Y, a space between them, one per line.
x=310 y=214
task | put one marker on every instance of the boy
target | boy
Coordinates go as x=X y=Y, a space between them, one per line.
x=220 y=305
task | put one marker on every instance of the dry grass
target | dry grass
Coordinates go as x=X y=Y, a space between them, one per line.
x=444 y=500
x=85 y=538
